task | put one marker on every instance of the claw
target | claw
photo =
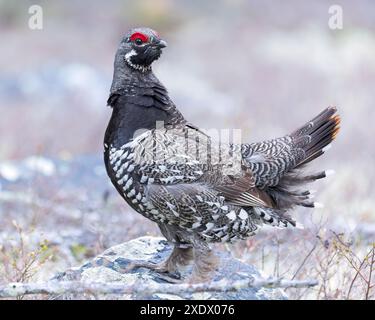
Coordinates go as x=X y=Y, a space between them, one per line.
x=170 y=277
x=158 y=267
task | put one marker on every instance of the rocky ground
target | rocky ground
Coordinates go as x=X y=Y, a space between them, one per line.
x=111 y=266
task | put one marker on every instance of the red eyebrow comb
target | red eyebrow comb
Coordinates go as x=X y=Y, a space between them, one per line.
x=138 y=35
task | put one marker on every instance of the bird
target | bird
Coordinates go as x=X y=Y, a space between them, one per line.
x=197 y=190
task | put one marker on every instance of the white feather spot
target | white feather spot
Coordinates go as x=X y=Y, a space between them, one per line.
x=329 y=172
x=125 y=165
x=327 y=147
x=130 y=54
x=162 y=168
x=318 y=205
x=219 y=234
x=119 y=173
x=196 y=225
x=243 y=214
x=128 y=184
x=225 y=238
x=300 y=226
x=131 y=193
x=232 y=215
x=170 y=206
x=124 y=155
x=209 y=226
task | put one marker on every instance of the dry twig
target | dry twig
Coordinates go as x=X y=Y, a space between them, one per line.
x=76 y=287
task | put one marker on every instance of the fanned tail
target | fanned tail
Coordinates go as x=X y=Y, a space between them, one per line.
x=316 y=135
x=314 y=139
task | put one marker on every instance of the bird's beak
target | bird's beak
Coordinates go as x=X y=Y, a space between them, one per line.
x=161 y=44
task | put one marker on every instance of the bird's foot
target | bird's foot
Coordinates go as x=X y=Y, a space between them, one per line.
x=174 y=278
x=163 y=270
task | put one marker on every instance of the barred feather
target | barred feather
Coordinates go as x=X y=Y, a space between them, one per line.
x=194 y=200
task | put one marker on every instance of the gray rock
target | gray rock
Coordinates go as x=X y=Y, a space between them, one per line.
x=105 y=268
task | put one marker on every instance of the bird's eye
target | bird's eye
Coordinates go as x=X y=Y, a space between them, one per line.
x=138 y=41
x=138 y=38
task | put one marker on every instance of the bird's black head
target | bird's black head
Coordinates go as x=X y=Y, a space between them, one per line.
x=140 y=47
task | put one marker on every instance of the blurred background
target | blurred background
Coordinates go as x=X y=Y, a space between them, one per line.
x=263 y=66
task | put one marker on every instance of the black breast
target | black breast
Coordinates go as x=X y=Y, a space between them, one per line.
x=135 y=107
x=127 y=118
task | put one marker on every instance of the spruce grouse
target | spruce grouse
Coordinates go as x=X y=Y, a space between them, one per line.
x=196 y=190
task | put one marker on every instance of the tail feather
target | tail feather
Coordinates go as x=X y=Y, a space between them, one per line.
x=317 y=134
x=313 y=138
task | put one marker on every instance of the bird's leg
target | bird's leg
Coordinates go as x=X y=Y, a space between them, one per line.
x=205 y=262
x=179 y=256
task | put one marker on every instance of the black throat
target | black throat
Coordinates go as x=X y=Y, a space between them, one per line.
x=139 y=102
x=128 y=119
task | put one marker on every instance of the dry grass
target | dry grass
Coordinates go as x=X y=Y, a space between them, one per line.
x=20 y=260
x=342 y=263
